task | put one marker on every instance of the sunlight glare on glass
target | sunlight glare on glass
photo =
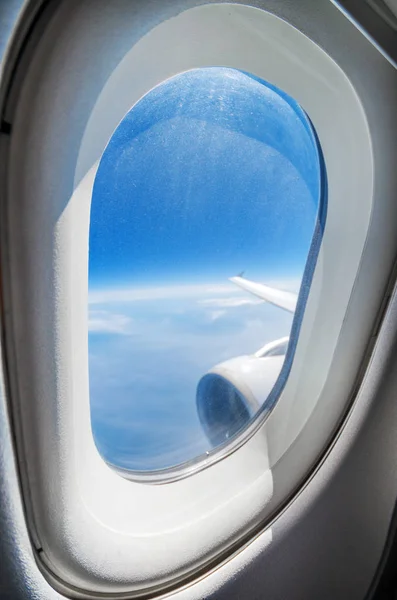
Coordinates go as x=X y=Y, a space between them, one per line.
x=204 y=208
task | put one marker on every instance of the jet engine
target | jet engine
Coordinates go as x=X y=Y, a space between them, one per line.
x=233 y=391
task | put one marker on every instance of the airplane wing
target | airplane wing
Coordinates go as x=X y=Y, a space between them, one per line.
x=285 y=300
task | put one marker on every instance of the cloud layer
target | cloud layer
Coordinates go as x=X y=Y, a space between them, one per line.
x=148 y=351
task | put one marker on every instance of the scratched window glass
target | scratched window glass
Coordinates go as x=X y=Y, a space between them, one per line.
x=206 y=217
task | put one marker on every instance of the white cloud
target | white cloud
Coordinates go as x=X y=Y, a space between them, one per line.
x=102 y=321
x=158 y=293
x=230 y=302
x=216 y=314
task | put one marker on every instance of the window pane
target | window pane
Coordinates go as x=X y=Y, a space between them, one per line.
x=204 y=208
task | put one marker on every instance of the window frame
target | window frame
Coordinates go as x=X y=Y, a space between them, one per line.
x=77 y=564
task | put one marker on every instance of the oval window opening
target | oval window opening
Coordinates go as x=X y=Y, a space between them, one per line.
x=206 y=205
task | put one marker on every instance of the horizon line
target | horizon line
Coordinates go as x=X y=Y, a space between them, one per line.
x=102 y=295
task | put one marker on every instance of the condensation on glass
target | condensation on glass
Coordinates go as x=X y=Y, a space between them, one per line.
x=205 y=206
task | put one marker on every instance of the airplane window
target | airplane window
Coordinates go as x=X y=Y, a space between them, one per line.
x=204 y=209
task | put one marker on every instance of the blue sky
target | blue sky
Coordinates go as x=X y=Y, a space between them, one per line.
x=211 y=173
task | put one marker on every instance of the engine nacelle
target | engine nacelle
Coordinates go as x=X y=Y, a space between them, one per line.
x=232 y=392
